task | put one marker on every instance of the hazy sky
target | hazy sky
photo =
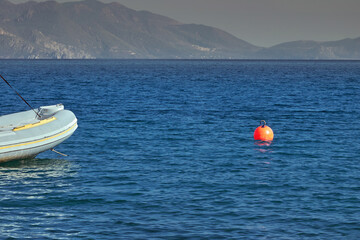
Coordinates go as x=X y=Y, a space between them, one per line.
x=263 y=22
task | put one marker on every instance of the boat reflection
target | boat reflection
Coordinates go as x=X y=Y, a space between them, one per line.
x=36 y=168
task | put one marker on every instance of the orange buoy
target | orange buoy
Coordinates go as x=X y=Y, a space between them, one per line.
x=263 y=132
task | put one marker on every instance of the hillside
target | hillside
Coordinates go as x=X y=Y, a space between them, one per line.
x=92 y=29
x=343 y=49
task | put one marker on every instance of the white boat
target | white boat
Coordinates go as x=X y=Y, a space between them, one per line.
x=25 y=134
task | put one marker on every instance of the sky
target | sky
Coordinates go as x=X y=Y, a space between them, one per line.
x=262 y=22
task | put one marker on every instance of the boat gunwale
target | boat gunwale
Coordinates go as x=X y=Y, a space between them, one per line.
x=32 y=133
x=39 y=146
x=36 y=124
x=74 y=124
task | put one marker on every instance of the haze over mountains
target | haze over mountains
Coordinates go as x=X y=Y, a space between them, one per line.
x=92 y=29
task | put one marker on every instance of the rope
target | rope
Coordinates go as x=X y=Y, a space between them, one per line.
x=19 y=95
x=62 y=154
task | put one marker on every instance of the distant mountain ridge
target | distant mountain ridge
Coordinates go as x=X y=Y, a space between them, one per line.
x=343 y=49
x=92 y=29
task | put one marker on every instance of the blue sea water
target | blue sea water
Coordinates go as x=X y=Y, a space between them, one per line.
x=165 y=150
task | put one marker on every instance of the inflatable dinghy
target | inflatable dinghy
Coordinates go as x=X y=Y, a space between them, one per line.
x=25 y=134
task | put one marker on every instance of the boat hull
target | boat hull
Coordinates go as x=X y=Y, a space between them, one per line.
x=23 y=141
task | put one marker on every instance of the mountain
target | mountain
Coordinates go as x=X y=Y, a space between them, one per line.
x=343 y=49
x=92 y=29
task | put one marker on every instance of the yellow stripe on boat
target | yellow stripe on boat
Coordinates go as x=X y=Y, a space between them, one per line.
x=31 y=125
x=41 y=140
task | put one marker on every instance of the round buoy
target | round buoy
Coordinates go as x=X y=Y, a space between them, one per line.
x=263 y=132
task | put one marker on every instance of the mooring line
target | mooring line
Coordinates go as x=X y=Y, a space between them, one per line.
x=20 y=96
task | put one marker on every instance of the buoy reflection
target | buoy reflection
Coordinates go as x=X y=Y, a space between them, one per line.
x=263 y=143
x=263 y=146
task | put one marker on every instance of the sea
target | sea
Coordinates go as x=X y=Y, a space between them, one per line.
x=165 y=150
